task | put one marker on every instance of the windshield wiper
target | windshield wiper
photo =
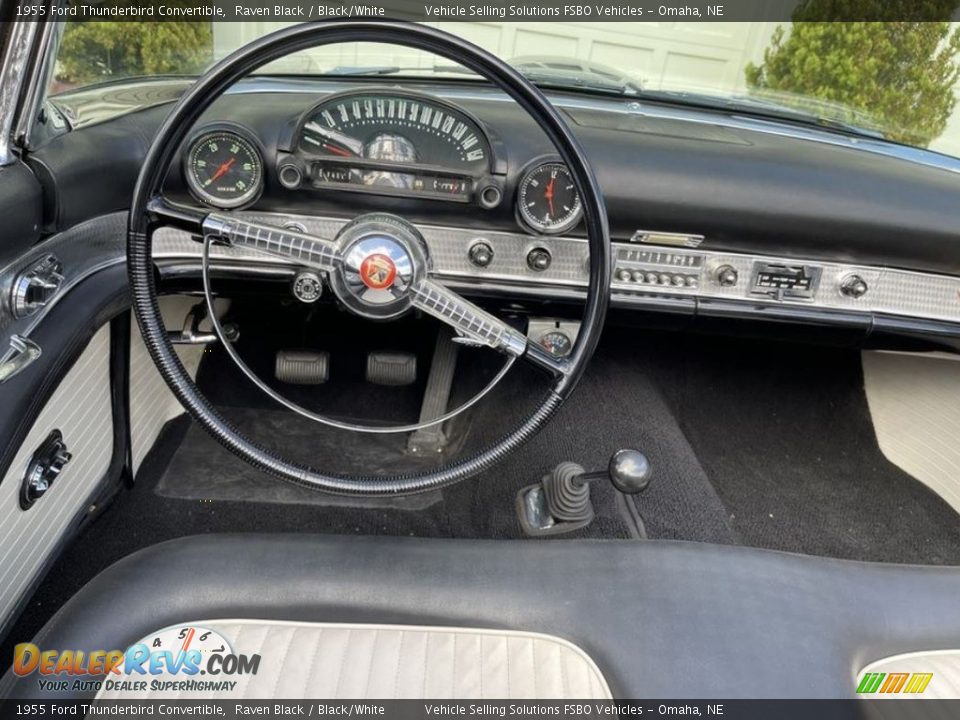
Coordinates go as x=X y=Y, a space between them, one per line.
x=373 y=70
x=541 y=77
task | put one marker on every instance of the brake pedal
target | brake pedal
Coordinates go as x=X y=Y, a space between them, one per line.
x=302 y=367
x=391 y=368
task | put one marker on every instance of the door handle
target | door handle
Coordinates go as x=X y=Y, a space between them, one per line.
x=23 y=351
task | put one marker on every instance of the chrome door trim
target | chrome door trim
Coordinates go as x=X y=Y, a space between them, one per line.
x=13 y=76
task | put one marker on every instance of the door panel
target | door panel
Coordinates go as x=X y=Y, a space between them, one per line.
x=80 y=408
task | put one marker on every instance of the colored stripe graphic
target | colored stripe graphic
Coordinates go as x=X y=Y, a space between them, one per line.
x=912 y=683
x=870 y=682
x=894 y=682
x=918 y=682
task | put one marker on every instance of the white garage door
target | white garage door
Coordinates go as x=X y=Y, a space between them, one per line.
x=671 y=54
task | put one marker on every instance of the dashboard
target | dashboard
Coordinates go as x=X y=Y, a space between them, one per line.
x=711 y=214
x=389 y=143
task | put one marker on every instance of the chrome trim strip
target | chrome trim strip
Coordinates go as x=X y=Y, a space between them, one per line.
x=13 y=75
x=99 y=244
x=36 y=91
x=891 y=291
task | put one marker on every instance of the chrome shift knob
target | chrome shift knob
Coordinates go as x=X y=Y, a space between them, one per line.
x=629 y=471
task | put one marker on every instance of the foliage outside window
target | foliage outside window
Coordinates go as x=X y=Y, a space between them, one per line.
x=897 y=77
x=99 y=51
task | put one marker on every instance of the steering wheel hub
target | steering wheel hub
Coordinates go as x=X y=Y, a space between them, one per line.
x=384 y=257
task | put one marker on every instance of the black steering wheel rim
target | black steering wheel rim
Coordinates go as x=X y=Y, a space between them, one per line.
x=205 y=91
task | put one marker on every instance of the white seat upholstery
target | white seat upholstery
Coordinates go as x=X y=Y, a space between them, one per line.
x=341 y=661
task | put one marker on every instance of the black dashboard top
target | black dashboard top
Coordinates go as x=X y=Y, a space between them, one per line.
x=751 y=187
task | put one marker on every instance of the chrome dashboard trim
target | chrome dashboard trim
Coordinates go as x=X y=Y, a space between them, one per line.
x=891 y=291
x=908 y=301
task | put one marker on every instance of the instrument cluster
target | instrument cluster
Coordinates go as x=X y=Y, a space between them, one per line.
x=385 y=142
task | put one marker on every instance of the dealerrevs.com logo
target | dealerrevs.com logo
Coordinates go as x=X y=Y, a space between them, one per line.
x=177 y=659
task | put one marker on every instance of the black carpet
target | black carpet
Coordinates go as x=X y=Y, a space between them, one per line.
x=784 y=433
x=761 y=444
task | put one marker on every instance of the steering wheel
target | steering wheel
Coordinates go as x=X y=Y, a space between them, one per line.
x=403 y=281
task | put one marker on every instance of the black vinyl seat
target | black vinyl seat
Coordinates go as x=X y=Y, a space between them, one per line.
x=660 y=618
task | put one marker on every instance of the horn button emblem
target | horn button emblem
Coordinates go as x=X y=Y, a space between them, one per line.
x=383 y=257
x=377 y=271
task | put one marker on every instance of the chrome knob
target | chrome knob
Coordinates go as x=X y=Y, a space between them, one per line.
x=539 y=259
x=480 y=254
x=727 y=276
x=36 y=286
x=629 y=471
x=853 y=286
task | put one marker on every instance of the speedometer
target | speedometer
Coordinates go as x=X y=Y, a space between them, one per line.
x=395 y=127
x=393 y=142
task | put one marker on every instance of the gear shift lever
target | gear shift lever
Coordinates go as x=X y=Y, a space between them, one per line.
x=560 y=502
x=628 y=471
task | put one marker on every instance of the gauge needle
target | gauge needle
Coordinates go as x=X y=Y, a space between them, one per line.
x=549 y=195
x=336 y=150
x=223 y=170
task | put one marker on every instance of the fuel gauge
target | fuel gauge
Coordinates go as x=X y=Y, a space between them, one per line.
x=557 y=343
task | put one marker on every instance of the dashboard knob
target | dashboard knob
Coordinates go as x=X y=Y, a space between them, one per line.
x=480 y=254
x=307 y=286
x=539 y=259
x=490 y=196
x=853 y=286
x=291 y=176
x=727 y=276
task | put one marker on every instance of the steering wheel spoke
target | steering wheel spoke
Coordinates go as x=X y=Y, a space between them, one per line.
x=474 y=325
x=301 y=248
x=163 y=213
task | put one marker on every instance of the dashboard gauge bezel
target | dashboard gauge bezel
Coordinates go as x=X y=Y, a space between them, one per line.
x=530 y=224
x=245 y=136
x=493 y=170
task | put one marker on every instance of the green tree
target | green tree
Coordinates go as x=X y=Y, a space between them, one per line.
x=899 y=74
x=104 y=50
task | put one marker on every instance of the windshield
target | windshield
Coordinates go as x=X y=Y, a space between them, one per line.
x=890 y=80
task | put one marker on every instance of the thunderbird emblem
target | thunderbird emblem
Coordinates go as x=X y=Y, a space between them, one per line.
x=377 y=271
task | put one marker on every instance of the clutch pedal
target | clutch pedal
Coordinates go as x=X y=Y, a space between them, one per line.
x=302 y=367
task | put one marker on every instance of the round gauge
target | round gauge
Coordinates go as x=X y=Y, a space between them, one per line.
x=547 y=200
x=557 y=343
x=224 y=169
